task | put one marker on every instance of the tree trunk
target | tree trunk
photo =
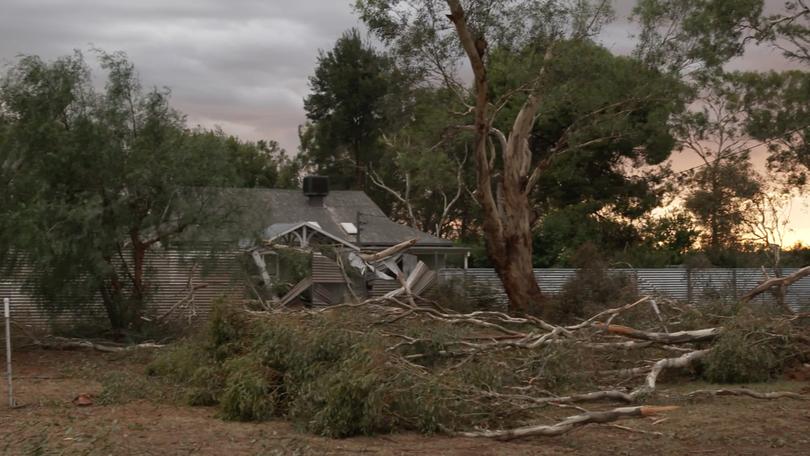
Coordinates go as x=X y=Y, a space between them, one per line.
x=134 y=305
x=504 y=196
x=520 y=286
x=111 y=298
x=138 y=259
x=512 y=257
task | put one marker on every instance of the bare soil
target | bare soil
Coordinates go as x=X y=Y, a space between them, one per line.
x=139 y=417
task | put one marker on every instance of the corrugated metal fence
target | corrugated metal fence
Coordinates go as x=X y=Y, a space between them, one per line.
x=175 y=274
x=185 y=285
x=682 y=284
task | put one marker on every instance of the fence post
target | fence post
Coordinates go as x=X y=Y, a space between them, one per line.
x=688 y=284
x=7 y=311
x=734 y=283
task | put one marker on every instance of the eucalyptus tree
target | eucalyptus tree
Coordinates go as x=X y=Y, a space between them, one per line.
x=535 y=39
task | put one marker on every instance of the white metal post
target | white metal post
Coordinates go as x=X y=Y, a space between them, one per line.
x=7 y=309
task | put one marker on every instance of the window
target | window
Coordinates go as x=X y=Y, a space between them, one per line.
x=349 y=228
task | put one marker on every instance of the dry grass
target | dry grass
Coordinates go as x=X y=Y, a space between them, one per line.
x=49 y=424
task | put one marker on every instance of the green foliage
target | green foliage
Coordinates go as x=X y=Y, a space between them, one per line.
x=347 y=110
x=96 y=180
x=348 y=400
x=251 y=391
x=668 y=240
x=562 y=367
x=294 y=266
x=776 y=103
x=751 y=349
x=425 y=164
x=677 y=34
x=592 y=289
x=716 y=192
x=326 y=377
x=607 y=111
x=226 y=331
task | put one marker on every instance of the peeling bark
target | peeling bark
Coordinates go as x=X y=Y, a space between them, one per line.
x=507 y=217
x=572 y=422
x=781 y=282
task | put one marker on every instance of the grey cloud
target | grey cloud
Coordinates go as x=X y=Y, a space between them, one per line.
x=242 y=65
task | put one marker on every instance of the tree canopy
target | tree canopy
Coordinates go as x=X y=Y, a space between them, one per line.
x=348 y=108
x=95 y=180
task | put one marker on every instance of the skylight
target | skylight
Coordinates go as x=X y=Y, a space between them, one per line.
x=349 y=228
x=316 y=224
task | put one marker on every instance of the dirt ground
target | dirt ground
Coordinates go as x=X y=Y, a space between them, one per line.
x=134 y=418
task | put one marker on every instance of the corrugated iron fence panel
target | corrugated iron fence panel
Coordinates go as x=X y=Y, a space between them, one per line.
x=185 y=285
x=670 y=282
x=681 y=284
x=174 y=274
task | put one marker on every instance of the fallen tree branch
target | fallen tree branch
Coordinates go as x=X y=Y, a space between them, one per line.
x=677 y=337
x=666 y=363
x=61 y=343
x=189 y=298
x=750 y=393
x=639 y=431
x=783 y=282
x=572 y=422
x=611 y=312
x=390 y=251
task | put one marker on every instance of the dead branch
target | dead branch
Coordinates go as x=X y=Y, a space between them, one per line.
x=611 y=312
x=639 y=431
x=649 y=383
x=667 y=363
x=188 y=299
x=390 y=251
x=782 y=282
x=678 y=337
x=61 y=343
x=572 y=422
x=749 y=393
x=346 y=279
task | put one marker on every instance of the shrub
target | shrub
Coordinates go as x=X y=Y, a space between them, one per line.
x=226 y=331
x=252 y=391
x=465 y=295
x=751 y=349
x=354 y=398
x=592 y=289
x=313 y=369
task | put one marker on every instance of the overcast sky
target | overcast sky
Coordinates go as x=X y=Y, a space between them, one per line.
x=238 y=64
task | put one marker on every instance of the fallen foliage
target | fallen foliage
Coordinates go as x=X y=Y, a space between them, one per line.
x=387 y=364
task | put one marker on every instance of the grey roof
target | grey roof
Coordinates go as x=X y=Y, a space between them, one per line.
x=277 y=230
x=283 y=207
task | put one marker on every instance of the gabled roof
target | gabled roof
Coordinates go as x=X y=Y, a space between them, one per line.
x=278 y=230
x=291 y=207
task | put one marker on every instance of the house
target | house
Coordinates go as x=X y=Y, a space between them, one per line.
x=185 y=285
x=347 y=219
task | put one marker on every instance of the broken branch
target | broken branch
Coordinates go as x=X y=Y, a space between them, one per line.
x=572 y=422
